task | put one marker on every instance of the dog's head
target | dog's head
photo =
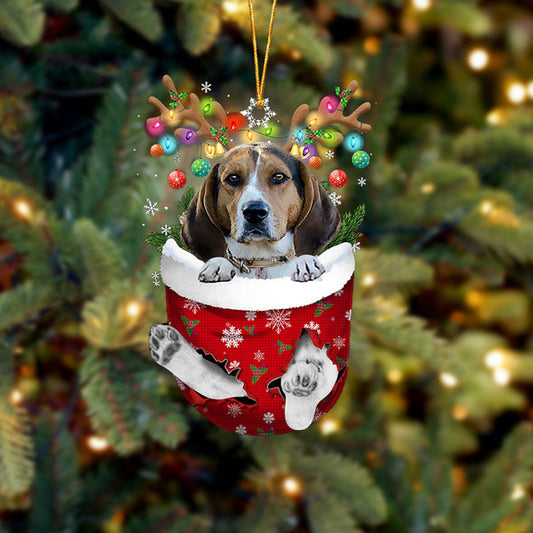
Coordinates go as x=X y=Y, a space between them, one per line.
x=259 y=192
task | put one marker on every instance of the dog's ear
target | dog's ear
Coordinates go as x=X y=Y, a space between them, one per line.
x=319 y=220
x=201 y=231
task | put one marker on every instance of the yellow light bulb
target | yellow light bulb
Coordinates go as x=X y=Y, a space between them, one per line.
x=23 y=209
x=209 y=150
x=96 y=443
x=171 y=114
x=134 y=308
x=516 y=93
x=329 y=426
x=501 y=376
x=494 y=358
x=369 y=280
x=421 y=5
x=448 y=380
x=250 y=135
x=478 y=59
x=292 y=486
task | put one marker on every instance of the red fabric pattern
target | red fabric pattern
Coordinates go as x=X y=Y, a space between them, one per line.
x=261 y=345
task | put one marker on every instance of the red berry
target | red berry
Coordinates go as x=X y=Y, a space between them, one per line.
x=338 y=178
x=177 y=179
x=315 y=162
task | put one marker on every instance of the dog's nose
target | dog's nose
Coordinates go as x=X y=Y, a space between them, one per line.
x=255 y=212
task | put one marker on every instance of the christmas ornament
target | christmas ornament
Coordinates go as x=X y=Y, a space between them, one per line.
x=169 y=144
x=156 y=150
x=154 y=127
x=176 y=179
x=360 y=159
x=353 y=142
x=338 y=178
x=200 y=168
x=315 y=162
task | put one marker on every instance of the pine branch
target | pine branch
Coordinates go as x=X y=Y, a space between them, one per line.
x=168 y=519
x=267 y=513
x=350 y=223
x=22 y=21
x=198 y=25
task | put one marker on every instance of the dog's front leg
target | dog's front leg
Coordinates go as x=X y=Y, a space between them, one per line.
x=307 y=268
x=217 y=269
x=172 y=351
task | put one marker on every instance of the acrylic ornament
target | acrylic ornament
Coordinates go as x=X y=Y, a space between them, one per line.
x=156 y=150
x=200 y=168
x=177 y=179
x=360 y=159
x=338 y=178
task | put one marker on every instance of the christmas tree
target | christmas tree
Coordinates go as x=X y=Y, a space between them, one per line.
x=433 y=431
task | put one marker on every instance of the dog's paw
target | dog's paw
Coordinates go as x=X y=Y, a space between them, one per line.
x=217 y=269
x=307 y=268
x=165 y=342
x=301 y=378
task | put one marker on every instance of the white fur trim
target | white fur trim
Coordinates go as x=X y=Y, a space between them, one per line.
x=179 y=271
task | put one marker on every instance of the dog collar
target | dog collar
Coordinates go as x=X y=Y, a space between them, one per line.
x=245 y=265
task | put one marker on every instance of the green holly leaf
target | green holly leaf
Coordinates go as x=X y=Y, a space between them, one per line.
x=250 y=330
x=337 y=91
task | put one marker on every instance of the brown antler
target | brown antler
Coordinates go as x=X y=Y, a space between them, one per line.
x=326 y=116
x=194 y=113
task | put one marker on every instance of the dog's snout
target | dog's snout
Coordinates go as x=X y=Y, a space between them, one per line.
x=255 y=212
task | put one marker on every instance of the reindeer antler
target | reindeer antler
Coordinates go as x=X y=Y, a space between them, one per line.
x=194 y=113
x=328 y=114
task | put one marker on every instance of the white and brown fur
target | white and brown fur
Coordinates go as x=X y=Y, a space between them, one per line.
x=260 y=202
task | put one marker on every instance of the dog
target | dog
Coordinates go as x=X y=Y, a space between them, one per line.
x=259 y=213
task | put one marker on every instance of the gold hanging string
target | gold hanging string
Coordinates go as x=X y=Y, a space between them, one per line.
x=260 y=85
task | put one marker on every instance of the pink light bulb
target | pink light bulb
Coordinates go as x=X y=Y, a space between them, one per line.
x=154 y=127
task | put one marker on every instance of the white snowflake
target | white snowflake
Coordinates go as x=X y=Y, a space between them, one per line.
x=335 y=198
x=155 y=279
x=339 y=293
x=361 y=182
x=278 y=320
x=339 y=342
x=233 y=365
x=156 y=282
x=165 y=230
x=356 y=246
x=241 y=430
x=330 y=154
x=259 y=355
x=234 y=410
x=180 y=383
x=256 y=122
x=348 y=314
x=151 y=207
x=250 y=315
x=177 y=158
x=268 y=418
x=193 y=306
x=231 y=337
x=314 y=326
x=206 y=86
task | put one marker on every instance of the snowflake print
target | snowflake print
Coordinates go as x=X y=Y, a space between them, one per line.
x=339 y=342
x=241 y=430
x=233 y=365
x=150 y=207
x=156 y=282
x=318 y=415
x=348 y=314
x=278 y=320
x=335 y=198
x=314 y=326
x=339 y=293
x=255 y=122
x=330 y=154
x=356 y=246
x=231 y=337
x=193 y=306
x=268 y=418
x=250 y=315
x=155 y=279
x=206 y=86
x=361 y=182
x=234 y=410
x=259 y=355
x=165 y=230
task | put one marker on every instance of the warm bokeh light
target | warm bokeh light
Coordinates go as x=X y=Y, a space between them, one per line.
x=459 y=413
x=394 y=376
x=231 y=6
x=478 y=59
x=97 y=443
x=291 y=486
x=495 y=117
x=448 y=380
x=501 y=376
x=428 y=188
x=486 y=207
x=516 y=93
x=530 y=89
x=371 y=45
x=518 y=493
x=369 y=280
x=134 y=308
x=329 y=426
x=421 y=5
x=15 y=396
x=23 y=208
x=494 y=358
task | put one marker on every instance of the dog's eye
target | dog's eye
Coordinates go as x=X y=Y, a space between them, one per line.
x=233 y=179
x=278 y=177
